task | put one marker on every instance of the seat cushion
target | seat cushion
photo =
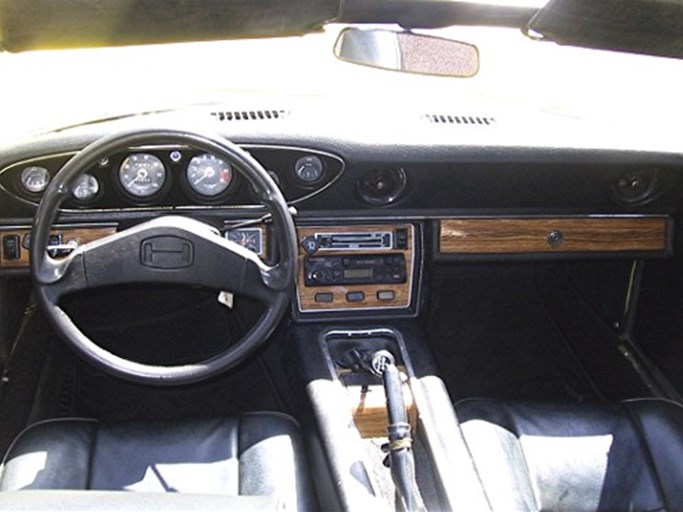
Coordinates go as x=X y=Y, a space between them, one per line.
x=251 y=454
x=626 y=456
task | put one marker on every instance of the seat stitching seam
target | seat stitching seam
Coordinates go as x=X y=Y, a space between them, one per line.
x=524 y=458
x=648 y=454
x=654 y=399
x=238 y=452
x=91 y=456
x=474 y=465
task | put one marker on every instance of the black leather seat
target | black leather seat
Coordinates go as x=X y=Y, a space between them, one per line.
x=252 y=454
x=626 y=456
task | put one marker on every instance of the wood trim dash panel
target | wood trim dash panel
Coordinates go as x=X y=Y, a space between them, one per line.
x=402 y=292
x=553 y=235
x=80 y=235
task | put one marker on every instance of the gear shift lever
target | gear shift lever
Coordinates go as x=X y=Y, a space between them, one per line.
x=379 y=361
x=382 y=363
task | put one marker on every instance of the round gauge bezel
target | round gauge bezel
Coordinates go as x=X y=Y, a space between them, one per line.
x=90 y=200
x=143 y=200
x=25 y=190
x=198 y=196
x=312 y=183
x=261 y=238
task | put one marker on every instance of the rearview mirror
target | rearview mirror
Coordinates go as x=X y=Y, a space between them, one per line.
x=407 y=52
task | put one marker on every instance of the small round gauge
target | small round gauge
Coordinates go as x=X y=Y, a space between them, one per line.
x=309 y=169
x=35 y=179
x=142 y=174
x=250 y=238
x=86 y=187
x=208 y=175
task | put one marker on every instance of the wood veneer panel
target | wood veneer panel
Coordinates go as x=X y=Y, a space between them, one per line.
x=80 y=235
x=369 y=409
x=306 y=295
x=505 y=236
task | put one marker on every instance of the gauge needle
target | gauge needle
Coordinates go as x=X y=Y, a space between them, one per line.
x=141 y=174
x=208 y=172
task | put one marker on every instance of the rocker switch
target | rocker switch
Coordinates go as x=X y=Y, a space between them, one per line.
x=11 y=247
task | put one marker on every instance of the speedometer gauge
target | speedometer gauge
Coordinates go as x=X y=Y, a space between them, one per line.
x=142 y=175
x=208 y=175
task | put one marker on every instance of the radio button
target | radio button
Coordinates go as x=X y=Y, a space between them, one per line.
x=323 y=297
x=386 y=295
x=355 y=296
x=401 y=241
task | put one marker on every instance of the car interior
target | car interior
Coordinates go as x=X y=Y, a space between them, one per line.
x=310 y=305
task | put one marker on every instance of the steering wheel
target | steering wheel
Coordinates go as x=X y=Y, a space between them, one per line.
x=167 y=249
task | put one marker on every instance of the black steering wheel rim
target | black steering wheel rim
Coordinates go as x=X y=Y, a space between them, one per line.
x=49 y=274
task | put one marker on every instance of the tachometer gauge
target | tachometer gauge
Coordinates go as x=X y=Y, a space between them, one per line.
x=208 y=175
x=35 y=179
x=85 y=188
x=142 y=175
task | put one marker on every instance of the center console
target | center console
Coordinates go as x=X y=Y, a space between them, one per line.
x=357 y=293
x=349 y=407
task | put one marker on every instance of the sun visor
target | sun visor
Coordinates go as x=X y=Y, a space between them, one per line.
x=651 y=27
x=55 y=24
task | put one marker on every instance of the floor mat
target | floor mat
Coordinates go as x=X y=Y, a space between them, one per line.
x=594 y=341
x=496 y=333
x=493 y=338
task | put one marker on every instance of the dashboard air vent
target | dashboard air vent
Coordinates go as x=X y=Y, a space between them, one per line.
x=450 y=119
x=381 y=187
x=249 y=115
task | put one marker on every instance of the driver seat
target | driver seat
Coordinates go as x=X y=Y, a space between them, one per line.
x=219 y=461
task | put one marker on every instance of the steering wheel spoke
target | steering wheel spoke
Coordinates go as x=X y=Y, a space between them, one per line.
x=172 y=249
x=61 y=277
x=169 y=249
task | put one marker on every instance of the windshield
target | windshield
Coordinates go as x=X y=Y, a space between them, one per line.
x=48 y=89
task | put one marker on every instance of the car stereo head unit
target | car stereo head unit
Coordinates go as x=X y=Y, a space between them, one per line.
x=354 y=269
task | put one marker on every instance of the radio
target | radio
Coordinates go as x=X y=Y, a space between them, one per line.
x=354 y=269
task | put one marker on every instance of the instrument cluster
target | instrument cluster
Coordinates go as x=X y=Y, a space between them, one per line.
x=174 y=176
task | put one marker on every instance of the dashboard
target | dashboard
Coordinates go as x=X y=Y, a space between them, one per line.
x=173 y=176
x=371 y=217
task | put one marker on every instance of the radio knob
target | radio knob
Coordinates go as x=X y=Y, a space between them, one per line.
x=310 y=245
x=316 y=276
